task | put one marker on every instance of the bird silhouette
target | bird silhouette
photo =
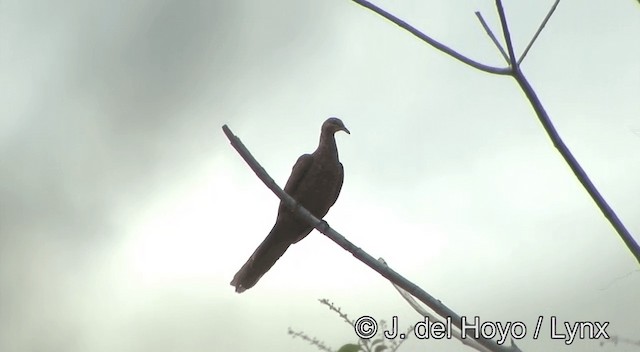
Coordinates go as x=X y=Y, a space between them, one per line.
x=315 y=183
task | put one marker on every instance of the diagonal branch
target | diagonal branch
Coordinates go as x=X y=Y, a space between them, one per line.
x=582 y=176
x=535 y=36
x=425 y=313
x=516 y=73
x=445 y=49
x=357 y=252
x=493 y=37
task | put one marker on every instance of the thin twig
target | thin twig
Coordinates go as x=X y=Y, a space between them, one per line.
x=535 y=36
x=493 y=37
x=425 y=313
x=312 y=340
x=445 y=49
x=337 y=310
x=357 y=252
x=615 y=340
x=507 y=35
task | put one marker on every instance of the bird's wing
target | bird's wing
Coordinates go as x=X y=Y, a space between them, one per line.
x=338 y=184
x=298 y=171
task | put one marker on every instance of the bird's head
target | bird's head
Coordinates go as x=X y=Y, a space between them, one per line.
x=333 y=125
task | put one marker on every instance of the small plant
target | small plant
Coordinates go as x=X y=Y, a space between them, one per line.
x=377 y=343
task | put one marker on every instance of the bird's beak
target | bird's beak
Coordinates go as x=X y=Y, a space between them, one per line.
x=345 y=129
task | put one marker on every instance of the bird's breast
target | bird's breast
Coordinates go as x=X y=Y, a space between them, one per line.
x=317 y=193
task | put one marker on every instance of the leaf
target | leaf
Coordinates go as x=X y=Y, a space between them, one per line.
x=349 y=348
x=376 y=341
x=380 y=348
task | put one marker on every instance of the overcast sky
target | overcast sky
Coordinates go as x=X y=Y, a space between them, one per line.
x=125 y=212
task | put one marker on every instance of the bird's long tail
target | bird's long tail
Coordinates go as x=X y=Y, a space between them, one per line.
x=262 y=259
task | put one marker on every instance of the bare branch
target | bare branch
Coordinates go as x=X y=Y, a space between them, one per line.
x=425 y=313
x=516 y=73
x=507 y=35
x=624 y=234
x=493 y=37
x=445 y=49
x=535 y=36
x=357 y=252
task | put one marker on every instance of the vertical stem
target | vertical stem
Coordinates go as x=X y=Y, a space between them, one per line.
x=507 y=35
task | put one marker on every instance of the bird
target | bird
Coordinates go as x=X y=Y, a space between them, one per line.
x=315 y=183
